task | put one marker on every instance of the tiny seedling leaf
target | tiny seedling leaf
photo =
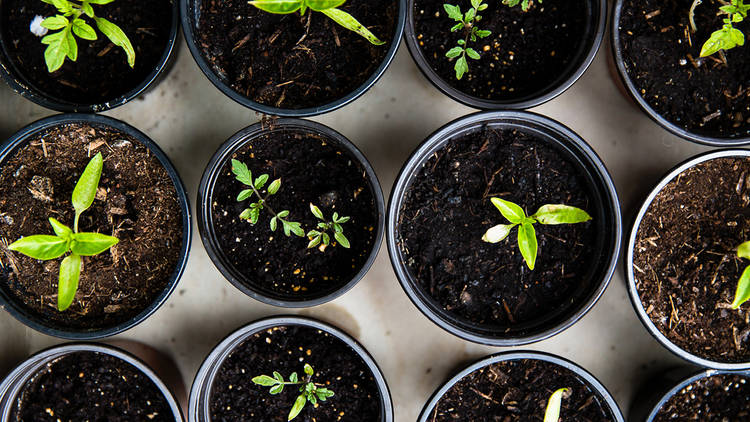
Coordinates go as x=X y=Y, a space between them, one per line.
x=70 y=272
x=299 y=404
x=274 y=187
x=245 y=194
x=316 y=212
x=261 y=181
x=276 y=389
x=242 y=173
x=343 y=241
x=264 y=380
x=85 y=190
x=554 y=404
x=498 y=233
x=61 y=230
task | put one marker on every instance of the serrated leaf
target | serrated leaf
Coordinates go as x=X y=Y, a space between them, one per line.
x=254 y=215
x=312 y=399
x=84 y=30
x=246 y=213
x=316 y=212
x=349 y=22
x=296 y=228
x=118 y=38
x=55 y=22
x=527 y=244
x=90 y=244
x=483 y=34
x=472 y=54
x=454 y=12
x=560 y=214
x=509 y=210
x=498 y=233
x=85 y=190
x=274 y=187
x=276 y=389
x=461 y=67
x=454 y=52
x=244 y=195
x=278 y=6
x=72 y=44
x=261 y=181
x=552 y=414
x=264 y=380
x=60 y=229
x=67 y=285
x=299 y=404
x=242 y=173
x=457 y=27
x=343 y=241
x=469 y=15
x=43 y=247
x=62 y=5
x=57 y=50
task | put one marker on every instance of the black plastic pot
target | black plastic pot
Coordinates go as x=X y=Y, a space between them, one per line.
x=630 y=274
x=16 y=80
x=633 y=93
x=15 y=381
x=607 y=217
x=205 y=219
x=596 y=24
x=38 y=323
x=429 y=408
x=200 y=393
x=190 y=10
x=657 y=391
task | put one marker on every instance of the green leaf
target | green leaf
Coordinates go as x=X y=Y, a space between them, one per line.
x=283 y=214
x=44 y=247
x=316 y=212
x=274 y=187
x=326 y=239
x=264 y=380
x=324 y=393
x=308 y=370
x=349 y=22
x=483 y=34
x=343 y=220
x=461 y=67
x=337 y=228
x=509 y=210
x=312 y=399
x=552 y=414
x=100 y=1
x=293 y=377
x=90 y=244
x=84 y=30
x=61 y=229
x=299 y=404
x=278 y=6
x=454 y=52
x=343 y=241
x=454 y=12
x=254 y=215
x=55 y=22
x=469 y=15
x=276 y=389
x=87 y=9
x=274 y=223
x=743 y=251
x=320 y=5
x=295 y=228
x=67 y=285
x=527 y=244
x=57 y=50
x=85 y=190
x=261 y=181
x=278 y=376
x=560 y=214
x=245 y=215
x=242 y=173
x=72 y=44
x=475 y=3
x=244 y=195
x=118 y=38
x=457 y=27
x=743 y=289
x=498 y=233
x=473 y=54
x=62 y=5
x=315 y=241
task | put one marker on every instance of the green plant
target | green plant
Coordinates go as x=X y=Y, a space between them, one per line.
x=742 y=294
x=728 y=36
x=47 y=247
x=321 y=236
x=546 y=214
x=252 y=214
x=63 y=44
x=326 y=7
x=466 y=22
x=525 y=4
x=552 y=414
x=309 y=391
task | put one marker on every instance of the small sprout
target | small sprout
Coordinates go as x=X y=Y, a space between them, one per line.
x=466 y=22
x=728 y=36
x=309 y=391
x=742 y=294
x=525 y=4
x=70 y=23
x=327 y=7
x=252 y=214
x=546 y=214
x=321 y=236
x=47 y=247
x=552 y=414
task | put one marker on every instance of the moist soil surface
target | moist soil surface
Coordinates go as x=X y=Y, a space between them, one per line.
x=91 y=386
x=518 y=390
x=89 y=79
x=447 y=209
x=136 y=202
x=292 y=61
x=685 y=259
x=718 y=398
x=313 y=169
x=662 y=58
x=286 y=349
x=525 y=55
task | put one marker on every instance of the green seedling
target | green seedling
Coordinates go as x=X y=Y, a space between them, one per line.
x=554 y=404
x=742 y=294
x=252 y=214
x=324 y=226
x=329 y=8
x=466 y=22
x=546 y=214
x=70 y=23
x=728 y=37
x=525 y=4
x=309 y=391
x=47 y=247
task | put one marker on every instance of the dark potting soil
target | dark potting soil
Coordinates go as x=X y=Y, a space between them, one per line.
x=292 y=61
x=313 y=169
x=662 y=58
x=447 y=209
x=518 y=390
x=685 y=259
x=136 y=202
x=287 y=349
x=91 y=386
x=101 y=72
x=718 y=398
x=527 y=51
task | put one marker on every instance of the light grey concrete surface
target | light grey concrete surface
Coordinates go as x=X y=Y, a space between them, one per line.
x=189 y=118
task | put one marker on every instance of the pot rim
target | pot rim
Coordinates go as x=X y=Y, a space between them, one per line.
x=188 y=16
x=201 y=388
x=593 y=42
x=592 y=382
x=630 y=274
x=10 y=146
x=205 y=193
x=29 y=92
x=589 y=163
x=632 y=90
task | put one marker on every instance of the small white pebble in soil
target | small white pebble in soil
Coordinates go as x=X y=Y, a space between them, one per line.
x=36 y=27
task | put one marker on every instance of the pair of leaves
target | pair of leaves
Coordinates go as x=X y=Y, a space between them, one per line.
x=554 y=404
x=525 y=4
x=728 y=37
x=550 y=214
x=317 y=236
x=742 y=294
x=327 y=7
